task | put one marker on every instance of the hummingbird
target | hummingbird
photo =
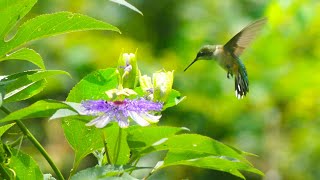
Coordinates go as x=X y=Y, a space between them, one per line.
x=227 y=55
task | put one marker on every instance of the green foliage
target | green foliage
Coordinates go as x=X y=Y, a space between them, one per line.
x=24 y=166
x=93 y=86
x=103 y=173
x=122 y=148
x=137 y=136
x=15 y=164
x=42 y=108
x=117 y=146
x=26 y=54
x=11 y=12
x=183 y=149
x=4 y=128
x=50 y=25
x=24 y=85
x=198 y=159
x=42 y=26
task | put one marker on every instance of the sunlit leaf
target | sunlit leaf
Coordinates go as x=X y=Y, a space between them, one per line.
x=11 y=12
x=2 y=94
x=4 y=128
x=25 y=92
x=104 y=173
x=173 y=99
x=200 y=151
x=24 y=166
x=83 y=139
x=198 y=143
x=52 y=24
x=25 y=54
x=118 y=149
x=128 y=5
x=26 y=84
x=42 y=108
x=198 y=159
x=137 y=134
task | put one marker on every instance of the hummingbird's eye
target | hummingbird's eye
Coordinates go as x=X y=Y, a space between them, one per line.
x=200 y=54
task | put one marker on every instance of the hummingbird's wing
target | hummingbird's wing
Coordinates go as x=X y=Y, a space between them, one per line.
x=242 y=39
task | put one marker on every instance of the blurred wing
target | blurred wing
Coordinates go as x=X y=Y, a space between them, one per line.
x=243 y=39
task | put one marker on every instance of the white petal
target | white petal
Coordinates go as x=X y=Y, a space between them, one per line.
x=123 y=124
x=150 y=118
x=138 y=119
x=100 y=121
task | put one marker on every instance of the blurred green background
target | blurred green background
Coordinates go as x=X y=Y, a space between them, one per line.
x=279 y=120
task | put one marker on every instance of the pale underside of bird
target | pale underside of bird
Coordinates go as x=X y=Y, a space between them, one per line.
x=227 y=55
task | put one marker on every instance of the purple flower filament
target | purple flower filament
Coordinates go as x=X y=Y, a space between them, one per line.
x=139 y=110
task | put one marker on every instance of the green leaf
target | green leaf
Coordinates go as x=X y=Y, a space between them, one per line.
x=26 y=54
x=24 y=85
x=4 y=128
x=24 y=166
x=173 y=99
x=201 y=151
x=104 y=173
x=93 y=86
x=77 y=109
x=137 y=135
x=12 y=11
x=50 y=25
x=2 y=94
x=118 y=149
x=43 y=108
x=197 y=143
x=197 y=159
x=128 y=5
x=25 y=92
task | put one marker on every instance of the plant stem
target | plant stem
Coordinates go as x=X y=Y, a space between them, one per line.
x=36 y=143
x=118 y=144
x=4 y=173
x=106 y=149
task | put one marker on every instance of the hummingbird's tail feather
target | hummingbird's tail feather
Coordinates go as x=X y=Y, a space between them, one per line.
x=241 y=82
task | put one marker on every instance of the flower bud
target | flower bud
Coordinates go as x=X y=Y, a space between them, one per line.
x=128 y=69
x=145 y=83
x=146 y=86
x=162 y=84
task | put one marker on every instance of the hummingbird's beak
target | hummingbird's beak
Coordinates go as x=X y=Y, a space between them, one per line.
x=191 y=64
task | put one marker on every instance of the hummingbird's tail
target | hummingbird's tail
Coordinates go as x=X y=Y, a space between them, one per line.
x=241 y=82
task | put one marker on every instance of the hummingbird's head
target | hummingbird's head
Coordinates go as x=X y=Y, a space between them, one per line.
x=206 y=53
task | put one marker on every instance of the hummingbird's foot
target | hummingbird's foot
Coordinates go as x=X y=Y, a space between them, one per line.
x=229 y=74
